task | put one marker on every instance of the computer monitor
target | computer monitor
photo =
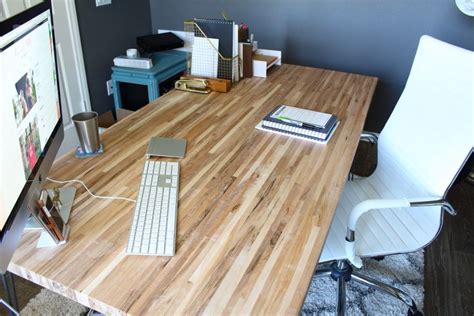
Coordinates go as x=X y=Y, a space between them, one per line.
x=30 y=118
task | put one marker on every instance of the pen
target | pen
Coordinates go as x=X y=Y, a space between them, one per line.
x=297 y=123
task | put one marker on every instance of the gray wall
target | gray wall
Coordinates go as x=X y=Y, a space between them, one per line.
x=373 y=37
x=106 y=32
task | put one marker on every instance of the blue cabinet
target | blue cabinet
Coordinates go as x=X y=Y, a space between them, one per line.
x=165 y=65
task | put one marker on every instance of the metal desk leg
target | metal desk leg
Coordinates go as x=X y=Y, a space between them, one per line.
x=9 y=286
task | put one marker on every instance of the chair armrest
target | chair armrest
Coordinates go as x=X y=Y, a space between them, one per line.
x=370 y=137
x=380 y=204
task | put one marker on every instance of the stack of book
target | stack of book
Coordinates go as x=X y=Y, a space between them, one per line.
x=300 y=123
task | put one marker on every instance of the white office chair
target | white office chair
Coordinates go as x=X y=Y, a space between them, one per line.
x=425 y=143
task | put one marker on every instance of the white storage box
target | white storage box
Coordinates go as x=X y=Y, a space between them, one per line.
x=263 y=59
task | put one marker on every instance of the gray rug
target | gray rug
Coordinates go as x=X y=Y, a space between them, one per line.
x=404 y=271
x=48 y=303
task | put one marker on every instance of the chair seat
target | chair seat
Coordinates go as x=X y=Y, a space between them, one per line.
x=389 y=231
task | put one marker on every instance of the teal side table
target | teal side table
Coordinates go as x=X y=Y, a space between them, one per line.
x=166 y=65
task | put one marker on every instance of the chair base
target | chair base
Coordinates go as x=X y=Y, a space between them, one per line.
x=342 y=272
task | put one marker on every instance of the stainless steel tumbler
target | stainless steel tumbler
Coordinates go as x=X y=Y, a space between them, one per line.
x=87 y=127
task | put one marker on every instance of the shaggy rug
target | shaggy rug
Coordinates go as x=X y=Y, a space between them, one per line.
x=404 y=271
x=48 y=303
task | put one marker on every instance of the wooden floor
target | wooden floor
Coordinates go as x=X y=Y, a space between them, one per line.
x=449 y=268
x=449 y=260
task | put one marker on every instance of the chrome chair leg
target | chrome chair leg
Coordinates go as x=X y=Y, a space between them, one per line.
x=342 y=272
x=322 y=273
x=391 y=290
x=341 y=297
x=352 y=176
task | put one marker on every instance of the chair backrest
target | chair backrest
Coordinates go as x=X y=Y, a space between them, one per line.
x=430 y=132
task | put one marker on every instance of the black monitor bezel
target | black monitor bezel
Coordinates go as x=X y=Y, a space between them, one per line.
x=7 y=26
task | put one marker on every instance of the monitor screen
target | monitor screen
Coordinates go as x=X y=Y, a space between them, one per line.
x=29 y=106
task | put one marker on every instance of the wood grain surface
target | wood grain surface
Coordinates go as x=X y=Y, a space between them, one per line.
x=254 y=207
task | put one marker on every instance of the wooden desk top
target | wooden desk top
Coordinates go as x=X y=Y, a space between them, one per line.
x=254 y=207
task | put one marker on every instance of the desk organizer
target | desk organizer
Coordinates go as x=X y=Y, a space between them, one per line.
x=208 y=31
x=263 y=59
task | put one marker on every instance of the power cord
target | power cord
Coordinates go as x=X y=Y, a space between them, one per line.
x=90 y=192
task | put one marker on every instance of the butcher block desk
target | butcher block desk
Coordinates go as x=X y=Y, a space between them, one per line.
x=254 y=207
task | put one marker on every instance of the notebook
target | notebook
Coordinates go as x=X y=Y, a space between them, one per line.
x=318 y=119
x=204 y=59
x=296 y=121
x=297 y=135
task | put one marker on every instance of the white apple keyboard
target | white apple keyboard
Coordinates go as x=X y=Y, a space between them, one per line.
x=153 y=230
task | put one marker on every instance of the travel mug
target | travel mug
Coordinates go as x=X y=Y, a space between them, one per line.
x=87 y=127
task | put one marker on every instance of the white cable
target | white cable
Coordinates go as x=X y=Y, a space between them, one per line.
x=89 y=191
